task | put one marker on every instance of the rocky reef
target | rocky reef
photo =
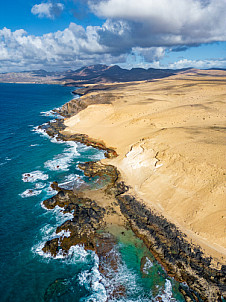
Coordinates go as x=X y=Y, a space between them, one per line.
x=87 y=219
x=87 y=227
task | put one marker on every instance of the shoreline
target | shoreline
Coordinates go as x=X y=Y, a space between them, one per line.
x=180 y=257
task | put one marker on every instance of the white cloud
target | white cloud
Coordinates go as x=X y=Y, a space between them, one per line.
x=75 y=47
x=142 y=30
x=47 y=10
x=199 y=64
x=147 y=23
x=71 y=48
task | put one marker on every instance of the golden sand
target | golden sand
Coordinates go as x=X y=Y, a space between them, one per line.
x=170 y=137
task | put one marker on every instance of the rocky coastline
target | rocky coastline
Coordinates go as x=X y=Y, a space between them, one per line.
x=181 y=259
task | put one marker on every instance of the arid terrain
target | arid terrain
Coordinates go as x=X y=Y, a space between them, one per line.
x=170 y=138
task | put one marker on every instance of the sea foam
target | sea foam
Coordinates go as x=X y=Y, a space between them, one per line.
x=92 y=281
x=34 y=176
x=63 y=160
x=30 y=192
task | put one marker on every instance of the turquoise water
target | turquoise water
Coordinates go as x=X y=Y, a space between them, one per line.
x=29 y=162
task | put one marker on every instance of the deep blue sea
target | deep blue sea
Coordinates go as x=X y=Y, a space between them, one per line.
x=29 y=162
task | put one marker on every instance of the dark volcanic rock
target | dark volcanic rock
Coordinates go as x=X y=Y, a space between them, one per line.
x=88 y=218
x=182 y=260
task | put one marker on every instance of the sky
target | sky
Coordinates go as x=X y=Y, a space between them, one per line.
x=68 y=34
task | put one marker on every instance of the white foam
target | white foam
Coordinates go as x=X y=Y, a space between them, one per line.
x=63 y=160
x=48 y=113
x=30 y=192
x=77 y=96
x=56 y=141
x=50 y=191
x=40 y=130
x=147 y=266
x=76 y=254
x=51 y=113
x=47 y=231
x=34 y=176
x=122 y=276
x=167 y=295
x=70 y=181
x=40 y=185
x=60 y=216
x=63 y=234
x=34 y=145
x=92 y=280
x=72 y=177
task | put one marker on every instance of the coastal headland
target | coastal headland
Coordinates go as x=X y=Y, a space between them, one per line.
x=165 y=148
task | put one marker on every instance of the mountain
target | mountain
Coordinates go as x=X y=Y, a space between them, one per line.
x=91 y=75
x=102 y=73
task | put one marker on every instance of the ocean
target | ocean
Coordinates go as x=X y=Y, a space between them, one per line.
x=29 y=162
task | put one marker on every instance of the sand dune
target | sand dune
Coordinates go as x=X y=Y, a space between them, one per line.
x=170 y=137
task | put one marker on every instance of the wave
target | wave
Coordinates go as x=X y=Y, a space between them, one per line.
x=30 y=193
x=71 y=181
x=92 y=281
x=34 y=176
x=52 y=113
x=40 y=185
x=63 y=160
x=40 y=130
x=147 y=266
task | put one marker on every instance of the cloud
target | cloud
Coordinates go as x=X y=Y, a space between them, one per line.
x=151 y=23
x=75 y=47
x=71 y=48
x=47 y=10
x=142 y=31
x=199 y=64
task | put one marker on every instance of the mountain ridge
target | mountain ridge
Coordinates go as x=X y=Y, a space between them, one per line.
x=92 y=74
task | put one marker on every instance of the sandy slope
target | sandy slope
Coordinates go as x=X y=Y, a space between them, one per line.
x=170 y=137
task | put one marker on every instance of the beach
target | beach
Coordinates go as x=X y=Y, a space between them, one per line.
x=169 y=137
